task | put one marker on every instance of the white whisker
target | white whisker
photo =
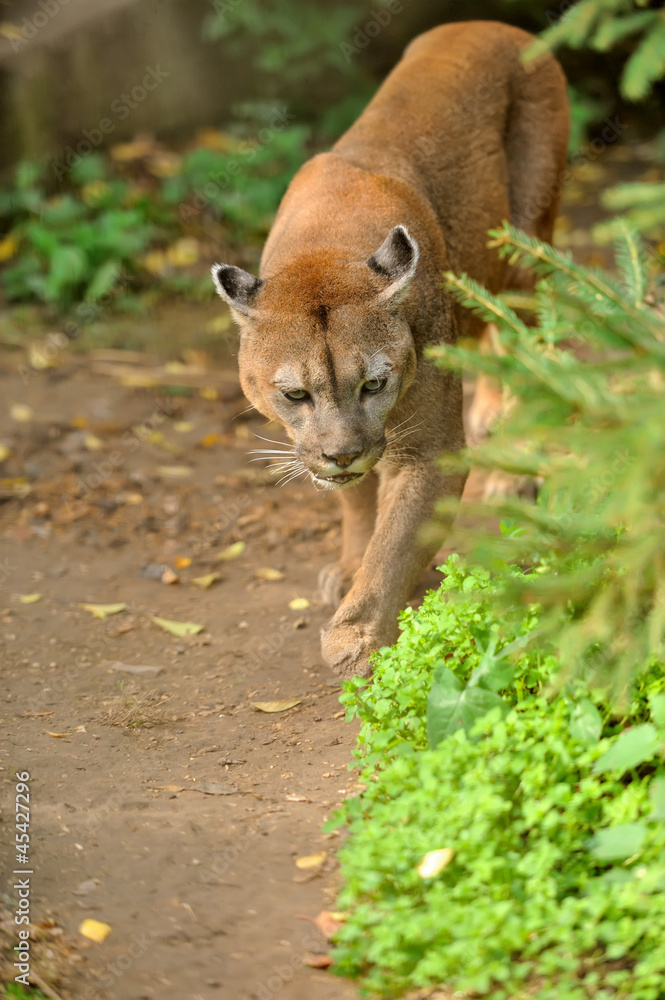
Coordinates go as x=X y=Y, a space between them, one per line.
x=270 y=440
x=289 y=477
x=270 y=451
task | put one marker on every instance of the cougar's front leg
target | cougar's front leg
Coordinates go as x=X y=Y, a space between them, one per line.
x=392 y=565
x=358 y=520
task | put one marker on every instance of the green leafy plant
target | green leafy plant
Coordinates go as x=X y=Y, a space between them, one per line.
x=243 y=186
x=548 y=813
x=591 y=431
x=73 y=246
x=637 y=28
x=603 y=24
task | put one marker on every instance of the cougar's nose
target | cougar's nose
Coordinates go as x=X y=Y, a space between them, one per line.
x=342 y=460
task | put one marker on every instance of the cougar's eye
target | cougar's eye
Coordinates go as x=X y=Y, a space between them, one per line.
x=296 y=395
x=375 y=384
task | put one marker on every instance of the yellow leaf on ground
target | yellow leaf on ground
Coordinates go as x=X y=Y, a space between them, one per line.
x=274 y=706
x=5 y=452
x=173 y=471
x=29 y=598
x=435 y=861
x=269 y=574
x=203 y=582
x=160 y=441
x=103 y=610
x=93 y=443
x=299 y=604
x=11 y=31
x=182 y=562
x=21 y=413
x=210 y=440
x=231 y=552
x=183 y=426
x=95 y=930
x=208 y=392
x=311 y=860
x=177 y=628
x=41 y=356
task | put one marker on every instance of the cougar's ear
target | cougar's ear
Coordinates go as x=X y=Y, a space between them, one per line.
x=237 y=287
x=395 y=261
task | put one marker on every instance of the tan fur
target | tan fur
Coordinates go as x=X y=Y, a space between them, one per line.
x=460 y=136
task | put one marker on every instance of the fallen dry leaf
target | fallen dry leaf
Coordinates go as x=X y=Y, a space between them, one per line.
x=29 y=598
x=168 y=576
x=269 y=574
x=327 y=922
x=215 y=788
x=203 y=582
x=93 y=443
x=232 y=552
x=157 y=439
x=5 y=452
x=317 y=961
x=21 y=413
x=58 y=736
x=177 y=628
x=182 y=562
x=299 y=604
x=311 y=860
x=129 y=668
x=435 y=861
x=295 y=798
x=104 y=610
x=95 y=930
x=18 y=486
x=210 y=440
x=274 y=706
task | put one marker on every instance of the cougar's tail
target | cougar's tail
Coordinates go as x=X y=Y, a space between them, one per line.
x=536 y=145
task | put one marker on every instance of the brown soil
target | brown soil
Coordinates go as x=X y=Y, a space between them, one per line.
x=201 y=890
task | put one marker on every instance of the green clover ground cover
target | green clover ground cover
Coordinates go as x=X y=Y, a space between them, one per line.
x=553 y=805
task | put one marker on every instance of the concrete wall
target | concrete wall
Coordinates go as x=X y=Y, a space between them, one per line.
x=134 y=65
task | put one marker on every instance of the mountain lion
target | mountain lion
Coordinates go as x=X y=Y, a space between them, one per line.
x=461 y=136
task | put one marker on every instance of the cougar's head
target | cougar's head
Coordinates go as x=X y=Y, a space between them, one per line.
x=326 y=351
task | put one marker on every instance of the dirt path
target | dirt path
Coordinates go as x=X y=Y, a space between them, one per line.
x=201 y=890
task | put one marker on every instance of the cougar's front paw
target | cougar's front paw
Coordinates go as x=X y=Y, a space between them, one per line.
x=346 y=645
x=334 y=582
